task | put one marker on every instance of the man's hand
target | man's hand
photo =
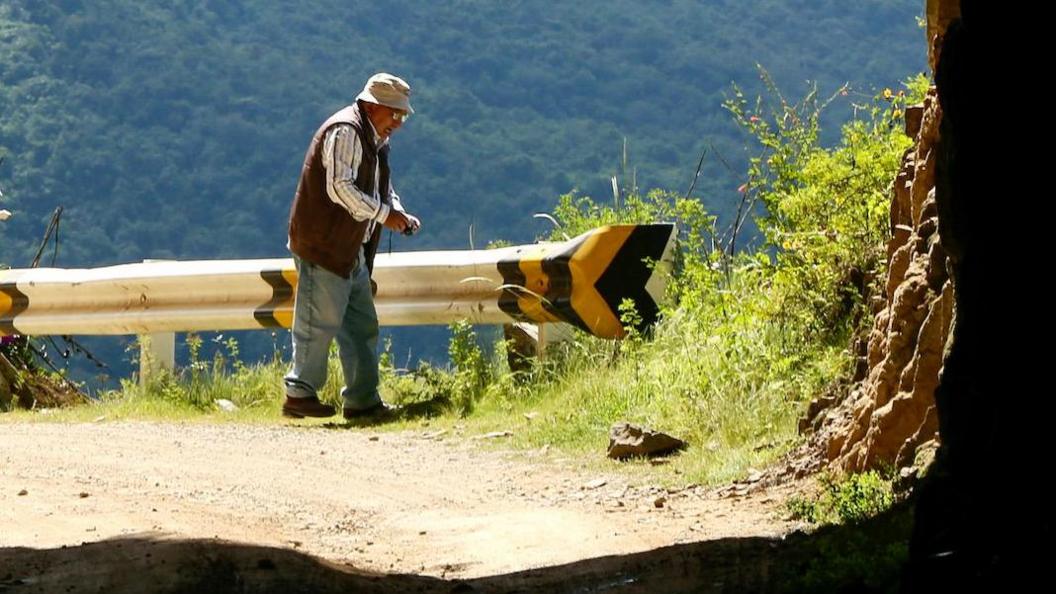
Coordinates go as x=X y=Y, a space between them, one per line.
x=402 y=222
x=413 y=224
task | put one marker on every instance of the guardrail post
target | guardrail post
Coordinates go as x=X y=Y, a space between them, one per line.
x=156 y=352
x=525 y=341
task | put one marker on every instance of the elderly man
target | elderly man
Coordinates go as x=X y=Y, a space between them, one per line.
x=343 y=198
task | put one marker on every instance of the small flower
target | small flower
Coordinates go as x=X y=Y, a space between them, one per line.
x=4 y=215
x=887 y=94
x=742 y=188
x=843 y=93
x=753 y=119
x=897 y=113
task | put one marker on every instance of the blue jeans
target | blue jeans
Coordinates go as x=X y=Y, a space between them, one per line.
x=326 y=307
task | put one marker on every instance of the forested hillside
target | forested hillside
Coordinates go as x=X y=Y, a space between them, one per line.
x=176 y=129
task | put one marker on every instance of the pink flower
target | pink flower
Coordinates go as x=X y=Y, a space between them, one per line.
x=742 y=188
x=753 y=119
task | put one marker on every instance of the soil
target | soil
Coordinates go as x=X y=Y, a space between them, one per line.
x=85 y=504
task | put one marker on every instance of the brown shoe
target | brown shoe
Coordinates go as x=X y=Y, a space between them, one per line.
x=379 y=410
x=298 y=408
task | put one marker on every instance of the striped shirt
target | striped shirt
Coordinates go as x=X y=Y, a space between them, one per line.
x=342 y=154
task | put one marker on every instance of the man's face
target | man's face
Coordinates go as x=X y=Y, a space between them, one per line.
x=385 y=119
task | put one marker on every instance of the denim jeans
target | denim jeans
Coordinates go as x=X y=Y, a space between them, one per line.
x=326 y=307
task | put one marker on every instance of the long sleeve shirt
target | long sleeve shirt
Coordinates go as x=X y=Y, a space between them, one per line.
x=342 y=155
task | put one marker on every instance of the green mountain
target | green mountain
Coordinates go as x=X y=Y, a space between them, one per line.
x=176 y=129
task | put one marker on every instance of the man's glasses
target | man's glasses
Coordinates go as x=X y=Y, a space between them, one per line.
x=400 y=116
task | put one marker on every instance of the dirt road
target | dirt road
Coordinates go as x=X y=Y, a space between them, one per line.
x=406 y=503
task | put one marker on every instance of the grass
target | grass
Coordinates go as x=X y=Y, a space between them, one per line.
x=733 y=386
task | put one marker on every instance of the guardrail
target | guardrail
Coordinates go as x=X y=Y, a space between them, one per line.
x=581 y=281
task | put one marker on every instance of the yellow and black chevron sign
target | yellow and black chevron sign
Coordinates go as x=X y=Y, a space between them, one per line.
x=584 y=281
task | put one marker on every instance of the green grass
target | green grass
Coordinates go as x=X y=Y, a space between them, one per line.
x=732 y=388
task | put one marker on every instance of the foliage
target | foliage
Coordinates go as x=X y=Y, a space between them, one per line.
x=844 y=499
x=867 y=556
x=457 y=389
x=861 y=535
x=826 y=211
x=201 y=384
x=697 y=258
x=472 y=372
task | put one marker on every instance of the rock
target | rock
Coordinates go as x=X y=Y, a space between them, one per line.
x=23 y=492
x=595 y=484
x=226 y=405
x=627 y=441
x=814 y=409
x=887 y=414
x=659 y=502
x=914 y=117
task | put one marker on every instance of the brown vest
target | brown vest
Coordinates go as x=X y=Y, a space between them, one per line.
x=322 y=231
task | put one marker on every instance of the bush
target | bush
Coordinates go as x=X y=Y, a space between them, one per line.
x=844 y=499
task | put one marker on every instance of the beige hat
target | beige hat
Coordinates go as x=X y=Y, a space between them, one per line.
x=389 y=90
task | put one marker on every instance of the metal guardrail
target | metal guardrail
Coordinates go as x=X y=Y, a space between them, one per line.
x=581 y=281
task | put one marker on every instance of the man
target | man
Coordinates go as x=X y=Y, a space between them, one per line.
x=343 y=198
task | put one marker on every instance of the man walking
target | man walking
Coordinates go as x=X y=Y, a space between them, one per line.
x=343 y=199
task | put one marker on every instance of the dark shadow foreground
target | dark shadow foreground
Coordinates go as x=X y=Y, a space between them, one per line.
x=836 y=559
